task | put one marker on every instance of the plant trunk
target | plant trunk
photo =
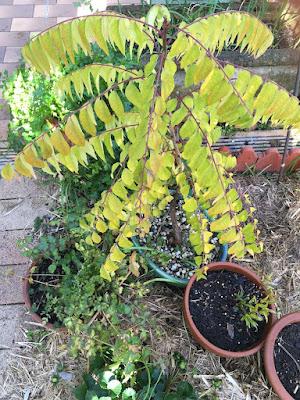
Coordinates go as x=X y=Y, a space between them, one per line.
x=175 y=225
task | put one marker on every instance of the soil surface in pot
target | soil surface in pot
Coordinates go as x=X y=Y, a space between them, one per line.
x=175 y=259
x=41 y=284
x=287 y=359
x=215 y=311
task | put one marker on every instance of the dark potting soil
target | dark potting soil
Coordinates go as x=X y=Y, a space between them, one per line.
x=43 y=283
x=215 y=312
x=287 y=359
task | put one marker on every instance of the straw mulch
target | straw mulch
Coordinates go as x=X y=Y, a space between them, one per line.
x=278 y=212
x=33 y=370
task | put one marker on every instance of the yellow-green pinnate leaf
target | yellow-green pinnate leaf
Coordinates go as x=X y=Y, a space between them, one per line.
x=8 y=172
x=74 y=132
x=22 y=167
x=59 y=143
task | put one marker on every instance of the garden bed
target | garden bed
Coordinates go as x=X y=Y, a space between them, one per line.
x=278 y=212
x=128 y=325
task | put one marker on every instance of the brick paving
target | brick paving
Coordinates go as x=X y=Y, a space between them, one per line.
x=22 y=201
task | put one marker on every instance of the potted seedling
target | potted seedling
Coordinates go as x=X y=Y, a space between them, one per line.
x=164 y=136
x=282 y=357
x=228 y=309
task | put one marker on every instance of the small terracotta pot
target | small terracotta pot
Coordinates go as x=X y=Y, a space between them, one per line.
x=28 y=303
x=251 y=276
x=269 y=362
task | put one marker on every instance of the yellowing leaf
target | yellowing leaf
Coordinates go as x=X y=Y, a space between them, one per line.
x=31 y=156
x=102 y=111
x=119 y=189
x=229 y=236
x=117 y=37
x=167 y=78
x=96 y=238
x=70 y=161
x=98 y=146
x=124 y=242
x=160 y=106
x=59 y=142
x=134 y=95
x=83 y=225
x=190 y=205
x=94 y=29
x=101 y=226
x=7 y=172
x=222 y=223
x=114 y=203
x=73 y=131
x=110 y=266
x=117 y=254
x=134 y=266
x=104 y=273
x=22 y=167
x=237 y=249
x=127 y=177
x=66 y=36
x=45 y=146
x=116 y=104
x=87 y=120
x=220 y=207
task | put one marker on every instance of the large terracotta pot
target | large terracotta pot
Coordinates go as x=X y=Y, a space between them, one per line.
x=269 y=362
x=251 y=276
x=28 y=303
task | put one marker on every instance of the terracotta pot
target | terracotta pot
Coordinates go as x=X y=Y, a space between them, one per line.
x=269 y=362
x=251 y=276
x=28 y=303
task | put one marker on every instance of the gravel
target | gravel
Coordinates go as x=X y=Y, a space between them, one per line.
x=176 y=260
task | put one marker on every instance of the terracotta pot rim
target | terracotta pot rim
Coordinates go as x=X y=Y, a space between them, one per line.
x=36 y=317
x=269 y=362
x=252 y=276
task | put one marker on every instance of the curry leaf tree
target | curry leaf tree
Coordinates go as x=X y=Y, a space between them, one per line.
x=165 y=136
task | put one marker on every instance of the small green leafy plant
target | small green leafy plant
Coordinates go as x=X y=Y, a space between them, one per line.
x=67 y=289
x=254 y=309
x=148 y=381
x=57 y=250
x=33 y=104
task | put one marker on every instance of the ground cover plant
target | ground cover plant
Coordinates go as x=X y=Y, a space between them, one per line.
x=149 y=381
